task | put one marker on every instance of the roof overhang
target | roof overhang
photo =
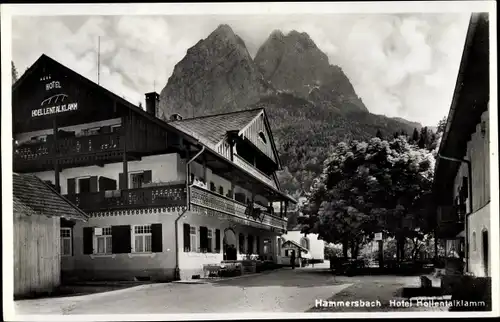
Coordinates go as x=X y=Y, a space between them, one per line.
x=470 y=101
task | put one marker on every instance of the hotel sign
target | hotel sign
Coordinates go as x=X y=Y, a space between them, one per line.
x=56 y=100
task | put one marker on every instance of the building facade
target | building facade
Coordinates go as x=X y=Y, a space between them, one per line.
x=164 y=197
x=315 y=247
x=40 y=237
x=462 y=180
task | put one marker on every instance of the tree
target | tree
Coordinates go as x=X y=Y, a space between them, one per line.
x=379 y=134
x=441 y=125
x=373 y=186
x=415 y=136
x=15 y=75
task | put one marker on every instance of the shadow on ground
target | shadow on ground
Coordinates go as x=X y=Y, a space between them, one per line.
x=71 y=290
x=287 y=278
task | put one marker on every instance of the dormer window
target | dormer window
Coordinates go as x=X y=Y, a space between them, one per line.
x=262 y=137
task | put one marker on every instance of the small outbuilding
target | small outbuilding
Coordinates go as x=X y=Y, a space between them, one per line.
x=38 y=210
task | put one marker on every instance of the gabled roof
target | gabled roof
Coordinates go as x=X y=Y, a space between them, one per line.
x=32 y=196
x=296 y=245
x=212 y=129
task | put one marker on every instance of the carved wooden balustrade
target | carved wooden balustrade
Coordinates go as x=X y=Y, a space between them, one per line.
x=169 y=196
x=255 y=172
x=213 y=201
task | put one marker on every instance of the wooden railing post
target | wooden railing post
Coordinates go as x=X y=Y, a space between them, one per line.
x=56 y=160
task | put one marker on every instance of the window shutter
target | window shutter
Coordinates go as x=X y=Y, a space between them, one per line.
x=217 y=241
x=71 y=186
x=148 y=176
x=93 y=184
x=156 y=238
x=286 y=252
x=187 y=238
x=121 y=239
x=88 y=242
x=121 y=181
x=203 y=238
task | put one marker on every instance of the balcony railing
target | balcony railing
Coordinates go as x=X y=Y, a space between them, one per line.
x=252 y=170
x=89 y=144
x=211 y=200
x=68 y=146
x=157 y=196
x=450 y=215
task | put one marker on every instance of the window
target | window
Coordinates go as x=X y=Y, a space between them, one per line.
x=192 y=233
x=115 y=128
x=210 y=239
x=212 y=186
x=66 y=242
x=474 y=243
x=304 y=242
x=136 y=180
x=142 y=239
x=103 y=240
x=83 y=185
x=221 y=190
x=262 y=137
x=267 y=246
x=241 y=242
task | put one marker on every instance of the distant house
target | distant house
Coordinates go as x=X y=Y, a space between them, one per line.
x=42 y=234
x=290 y=246
x=315 y=246
x=462 y=179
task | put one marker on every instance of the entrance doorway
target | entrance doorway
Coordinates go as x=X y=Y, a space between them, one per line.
x=485 y=252
x=229 y=245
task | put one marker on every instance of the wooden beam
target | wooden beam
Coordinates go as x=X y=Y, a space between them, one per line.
x=125 y=161
x=205 y=168
x=56 y=160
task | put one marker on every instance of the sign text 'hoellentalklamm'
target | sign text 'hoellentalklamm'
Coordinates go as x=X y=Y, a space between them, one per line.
x=55 y=109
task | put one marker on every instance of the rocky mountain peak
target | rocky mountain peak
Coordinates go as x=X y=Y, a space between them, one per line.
x=216 y=75
x=293 y=63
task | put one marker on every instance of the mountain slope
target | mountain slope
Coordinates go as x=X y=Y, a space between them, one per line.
x=311 y=104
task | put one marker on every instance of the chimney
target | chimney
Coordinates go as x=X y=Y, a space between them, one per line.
x=152 y=103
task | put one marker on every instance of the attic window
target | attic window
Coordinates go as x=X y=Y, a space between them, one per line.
x=262 y=137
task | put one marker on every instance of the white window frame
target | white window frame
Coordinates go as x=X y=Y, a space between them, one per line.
x=77 y=183
x=108 y=242
x=147 y=231
x=63 y=238
x=210 y=237
x=130 y=174
x=193 y=238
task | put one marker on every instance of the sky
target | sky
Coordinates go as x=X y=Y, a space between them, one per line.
x=401 y=65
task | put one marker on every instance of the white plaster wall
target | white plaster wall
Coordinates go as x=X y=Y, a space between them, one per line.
x=120 y=262
x=191 y=263
x=197 y=170
x=478 y=222
x=164 y=169
x=22 y=137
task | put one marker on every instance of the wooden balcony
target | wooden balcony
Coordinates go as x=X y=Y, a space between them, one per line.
x=71 y=151
x=169 y=196
x=254 y=171
x=213 y=201
x=450 y=222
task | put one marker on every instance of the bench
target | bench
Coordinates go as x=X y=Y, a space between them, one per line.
x=211 y=270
